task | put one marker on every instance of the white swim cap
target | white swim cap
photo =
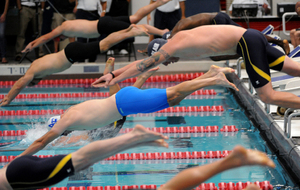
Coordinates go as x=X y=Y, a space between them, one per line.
x=51 y=122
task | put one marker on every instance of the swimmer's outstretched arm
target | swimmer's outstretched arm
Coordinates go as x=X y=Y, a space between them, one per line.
x=43 y=39
x=17 y=87
x=133 y=69
x=192 y=177
x=40 y=143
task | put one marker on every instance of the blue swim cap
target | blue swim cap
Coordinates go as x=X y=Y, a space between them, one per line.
x=155 y=45
x=51 y=122
x=166 y=35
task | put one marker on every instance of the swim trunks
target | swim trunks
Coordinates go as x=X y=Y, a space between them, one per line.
x=27 y=172
x=259 y=57
x=132 y=100
x=107 y=131
x=108 y=24
x=76 y=51
x=223 y=18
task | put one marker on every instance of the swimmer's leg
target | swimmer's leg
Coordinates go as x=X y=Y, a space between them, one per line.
x=153 y=30
x=192 y=177
x=121 y=35
x=99 y=150
x=177 y=93
x=109 y=67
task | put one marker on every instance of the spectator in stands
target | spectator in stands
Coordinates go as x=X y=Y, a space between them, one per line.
x=3 y=12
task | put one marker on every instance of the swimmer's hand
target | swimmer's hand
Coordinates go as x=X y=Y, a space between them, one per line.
x=5 y=101
x=104 y=81
x=28 y=48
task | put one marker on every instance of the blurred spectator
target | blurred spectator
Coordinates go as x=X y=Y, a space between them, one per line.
x=116 y=8
x=263 y=6
x=90 y=10
x=27 y=13
x=63 y=10
x=3 y=12
x=295 y=33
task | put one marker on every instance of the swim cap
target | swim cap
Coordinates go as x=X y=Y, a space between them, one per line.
x=166 y=35
x=51 y=122
x=155 y=45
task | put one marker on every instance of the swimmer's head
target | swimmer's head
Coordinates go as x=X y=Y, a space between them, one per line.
x=155 y=45
x=51 y=122
x=166 y=35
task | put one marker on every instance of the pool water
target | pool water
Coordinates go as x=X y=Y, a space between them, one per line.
x=147 y=172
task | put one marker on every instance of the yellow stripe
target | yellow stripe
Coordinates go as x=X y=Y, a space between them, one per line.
x=115 y=124
x=256 y=69
x=60 y=165
x=277 y=61
x=214 y=21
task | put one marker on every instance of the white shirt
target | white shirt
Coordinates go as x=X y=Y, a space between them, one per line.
x=28 y=3
x=90 y=5
x=259 y=2
x=170 y=6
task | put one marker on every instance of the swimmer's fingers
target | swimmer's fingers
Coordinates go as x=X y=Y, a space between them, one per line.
x=102 y=81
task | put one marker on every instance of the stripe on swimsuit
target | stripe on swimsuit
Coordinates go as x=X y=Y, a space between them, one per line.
x=258 y=71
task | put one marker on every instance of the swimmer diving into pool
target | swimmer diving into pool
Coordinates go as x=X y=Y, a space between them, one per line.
x=62 y=60
x=27 y=172
x=215 y=40
x=97 y=113
x=217 y=18
x=105 y=25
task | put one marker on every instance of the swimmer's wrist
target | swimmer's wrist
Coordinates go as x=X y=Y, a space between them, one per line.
x=112 y=74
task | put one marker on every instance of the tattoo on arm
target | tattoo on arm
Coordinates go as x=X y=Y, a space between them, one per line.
x=152 y=61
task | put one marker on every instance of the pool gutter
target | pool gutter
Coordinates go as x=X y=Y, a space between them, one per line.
x=287 y=152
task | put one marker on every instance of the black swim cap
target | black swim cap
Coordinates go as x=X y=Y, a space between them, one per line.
x=155 y=45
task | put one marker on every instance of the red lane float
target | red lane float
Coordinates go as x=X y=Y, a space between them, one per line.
x=88 y=95
x=157 y=78
x=178 y=109
x=264 y=185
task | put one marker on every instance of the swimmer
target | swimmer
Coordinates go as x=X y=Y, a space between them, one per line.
x=58 y=62
x=93 y=29
x=30 y=172
x=215 y=40
x=108 y=131
x=29 y=168
x=97 y=113
x=219 y=18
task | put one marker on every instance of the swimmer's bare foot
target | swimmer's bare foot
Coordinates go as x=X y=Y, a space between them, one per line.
x=109 y=67
x=144 y=136
x=286 y=47
x=139 y=30
x=161 y=2
x=242 y=157
x=222 y=81
x=216 y=69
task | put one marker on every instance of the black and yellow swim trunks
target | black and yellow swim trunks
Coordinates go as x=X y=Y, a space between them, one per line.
x=259 y=57
x=30 y=172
